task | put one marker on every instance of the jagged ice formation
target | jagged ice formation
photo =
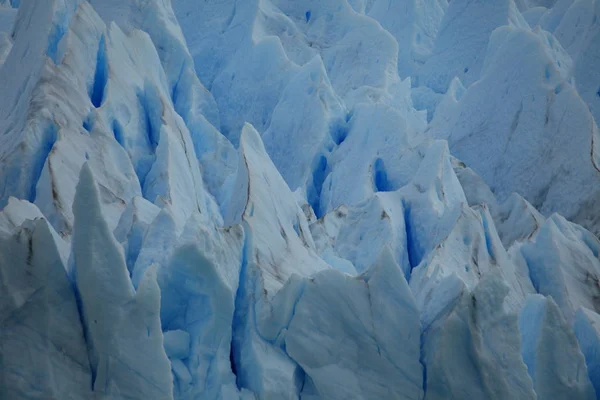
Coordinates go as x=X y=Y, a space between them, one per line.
x=317 y=199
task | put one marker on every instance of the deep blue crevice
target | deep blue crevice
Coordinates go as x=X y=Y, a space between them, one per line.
x=49 y=137
x=598 y=92
x=88 y=123
x=488 y=239
x=142 y=168
x=532 y=271
x=411 y=246
x=299 y=379
x=118 y=132
x=240 y=312
x=380 y=177
x=339 y=131
x=53 y=40
x=558 y=88
x=100 y=76
x=150 y=122
x=318 y=177
x=422 y=361
x=59 y=28
x=307 y=15
x=151 y=114
x=175 y=94
x=349 y=115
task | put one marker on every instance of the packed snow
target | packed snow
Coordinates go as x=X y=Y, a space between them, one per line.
x=279 y=199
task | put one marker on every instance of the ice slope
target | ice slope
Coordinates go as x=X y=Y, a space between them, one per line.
x=380 y=357
x=462 y=39
x=587 y=330
x=238 y=199
x=542 y=327
x=414 y=24
x=538 y=118
x=40 y=323
x=480 y=340
x=122 y=327
x=569 y=273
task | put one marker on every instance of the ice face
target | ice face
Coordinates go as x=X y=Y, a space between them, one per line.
x=273 y=199
x=587 y=330
x=483 y=345
x=547 y=106
x=43 y=345
x=122 y=326
x=541 y=326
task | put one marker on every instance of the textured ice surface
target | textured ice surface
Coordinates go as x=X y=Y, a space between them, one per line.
x=460 y=44
x=122 y=326
x=536 y=118
x=542 y=327
x=587 y=330
x=278 y=199
x=480 y=340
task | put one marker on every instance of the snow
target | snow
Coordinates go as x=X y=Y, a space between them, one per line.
x=273 y=199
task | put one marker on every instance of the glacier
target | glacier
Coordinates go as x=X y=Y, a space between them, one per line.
x=317 y=199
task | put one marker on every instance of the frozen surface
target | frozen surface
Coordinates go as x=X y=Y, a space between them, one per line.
x=122 y=327
x=366 y=348
x=480 y=340
x=463 y=36
x=535 y=117
x=278 y=199
x=563 y=263
x=41 y=339
x=587 y=330
x=542 y=327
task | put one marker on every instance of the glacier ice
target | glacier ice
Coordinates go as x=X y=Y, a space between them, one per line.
x=40 y=321
x=547 y=111
x=462 y=39
x=481 y=341
x=587 y=331
x=278 y=199
x=570 y=272
x=121 y=326
x=379 y=357
x=542 y=327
